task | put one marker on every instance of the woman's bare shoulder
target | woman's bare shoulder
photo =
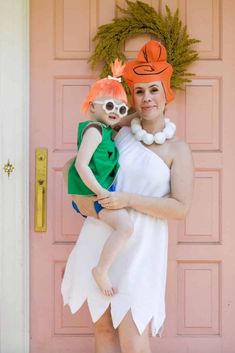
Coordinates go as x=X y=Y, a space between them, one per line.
x=171 y=150
x=179 y=147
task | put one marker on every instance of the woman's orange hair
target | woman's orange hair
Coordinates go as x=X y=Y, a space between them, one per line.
x=107 y=87
x=150 y=65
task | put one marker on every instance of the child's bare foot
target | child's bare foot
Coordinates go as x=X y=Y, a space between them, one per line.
x=103 y=282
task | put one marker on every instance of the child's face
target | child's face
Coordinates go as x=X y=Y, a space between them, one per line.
x=108 y=110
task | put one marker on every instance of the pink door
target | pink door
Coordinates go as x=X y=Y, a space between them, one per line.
x=201 y=287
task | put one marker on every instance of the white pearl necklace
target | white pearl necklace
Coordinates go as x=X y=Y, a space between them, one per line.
x=159 y=138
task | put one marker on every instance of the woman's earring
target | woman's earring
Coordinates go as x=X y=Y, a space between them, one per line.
x=165 y=109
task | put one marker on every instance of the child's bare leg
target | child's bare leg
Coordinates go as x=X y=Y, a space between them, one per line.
x=122 y=229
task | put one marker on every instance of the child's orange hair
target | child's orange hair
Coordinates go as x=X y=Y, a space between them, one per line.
x=107 y=87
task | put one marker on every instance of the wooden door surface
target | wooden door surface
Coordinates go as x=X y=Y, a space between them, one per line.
x=200 y=297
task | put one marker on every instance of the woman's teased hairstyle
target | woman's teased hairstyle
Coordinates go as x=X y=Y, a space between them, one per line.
x=150 y=65
x=107 y=87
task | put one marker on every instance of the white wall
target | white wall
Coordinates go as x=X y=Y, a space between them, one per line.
x=14 y=234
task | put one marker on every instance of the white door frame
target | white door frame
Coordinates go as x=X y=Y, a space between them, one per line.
x=14 y=191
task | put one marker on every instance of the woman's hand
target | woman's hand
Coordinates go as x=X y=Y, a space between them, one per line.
x=114 y=200
x=86 y=205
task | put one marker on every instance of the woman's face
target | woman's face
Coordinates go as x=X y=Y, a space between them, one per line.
x=149 y=99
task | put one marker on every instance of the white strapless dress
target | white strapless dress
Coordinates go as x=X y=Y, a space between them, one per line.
x=139 y=272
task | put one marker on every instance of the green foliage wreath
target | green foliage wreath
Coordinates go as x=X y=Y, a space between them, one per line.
x=140 y=18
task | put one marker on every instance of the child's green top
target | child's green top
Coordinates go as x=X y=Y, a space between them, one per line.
x=104 y=162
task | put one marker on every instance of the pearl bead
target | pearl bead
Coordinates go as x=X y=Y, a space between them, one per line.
x=136 y=128
x=148 y=139
x=172 y=125
x=159 y=138
x=135 y=121
x=168 y=131
x=140 y=134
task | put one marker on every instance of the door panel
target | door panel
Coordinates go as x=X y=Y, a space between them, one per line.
x=200 y=285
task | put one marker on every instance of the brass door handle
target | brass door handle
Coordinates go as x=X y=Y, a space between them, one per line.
x=40 y=222
x=40 y=204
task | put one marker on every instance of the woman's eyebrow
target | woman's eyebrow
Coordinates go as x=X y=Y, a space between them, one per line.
x=154 y=85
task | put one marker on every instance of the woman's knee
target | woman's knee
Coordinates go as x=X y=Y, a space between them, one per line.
x=106 y=338
x=130 y=339
x=104 y=329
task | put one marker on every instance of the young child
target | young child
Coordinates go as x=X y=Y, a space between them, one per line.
x=94 y=170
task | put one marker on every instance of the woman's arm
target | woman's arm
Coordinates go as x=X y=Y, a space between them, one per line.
x=176 y=205
x=66 y=169
x=126 y=121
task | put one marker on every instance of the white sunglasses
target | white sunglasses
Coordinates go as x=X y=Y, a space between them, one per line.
x=110 y=106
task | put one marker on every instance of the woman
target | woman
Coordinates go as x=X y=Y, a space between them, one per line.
x=155 y=183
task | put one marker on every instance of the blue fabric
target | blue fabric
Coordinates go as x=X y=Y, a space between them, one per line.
x=77 y=209
x=97 y=206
